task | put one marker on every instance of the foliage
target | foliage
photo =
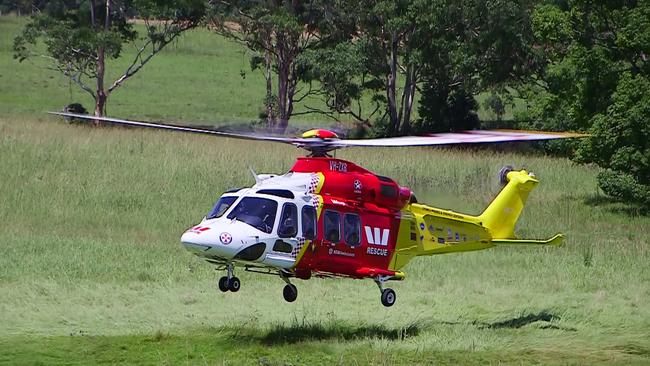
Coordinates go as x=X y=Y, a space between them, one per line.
x=496 y=104
x=446 y=109
x=620 y=141
x=278 y=33
x=80 y=36
x=24 y=7
x=447 y=50
x=474 y=47
x=594 y=80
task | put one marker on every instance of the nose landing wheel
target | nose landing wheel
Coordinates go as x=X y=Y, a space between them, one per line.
x=230 y=282
x=290 y=292
x=223 y=284
x=234 y=284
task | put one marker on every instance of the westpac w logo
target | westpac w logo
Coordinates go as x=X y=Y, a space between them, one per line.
x=376 y=236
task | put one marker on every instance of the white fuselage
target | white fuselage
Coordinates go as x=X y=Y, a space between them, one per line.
x=265 y=225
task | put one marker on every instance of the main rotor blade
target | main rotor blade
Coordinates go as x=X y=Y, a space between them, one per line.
x=320 y=145
x=464 y=137
x=179 y=128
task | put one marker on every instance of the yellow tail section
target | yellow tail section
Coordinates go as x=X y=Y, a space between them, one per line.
x=501 y=215
x=426 y=230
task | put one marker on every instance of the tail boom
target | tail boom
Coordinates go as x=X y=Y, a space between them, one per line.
x=501 y=215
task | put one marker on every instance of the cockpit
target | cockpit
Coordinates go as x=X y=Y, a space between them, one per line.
x=221 y=207
x=261 y=211
x=257 y=212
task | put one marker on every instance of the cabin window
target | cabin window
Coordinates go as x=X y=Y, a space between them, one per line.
x=277 y=192
x=352 y=229
x=221 y=207
x=256 y=212
x=281 y=246
x=309 y=222
x=288 y=221
x=332 y=226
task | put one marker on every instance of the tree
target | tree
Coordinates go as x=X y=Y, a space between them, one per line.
x=80 y=35
x=475 y=46
x=596 y=79
x=446 y=50
x=384 y=44
x=279 y=32
x=620 y=141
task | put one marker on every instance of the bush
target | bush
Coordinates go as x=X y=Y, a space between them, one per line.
x=620 y=140
x=443 y=109
x=624 y=186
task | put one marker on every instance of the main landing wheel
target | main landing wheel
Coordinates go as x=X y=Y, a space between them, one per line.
x=290 y=292
x=388 y=297
x=223 y=284
x=234 y=284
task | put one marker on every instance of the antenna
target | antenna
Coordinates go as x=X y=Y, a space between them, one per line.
x=257 y=179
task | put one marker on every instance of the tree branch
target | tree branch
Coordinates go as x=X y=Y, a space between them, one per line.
x=168 y=35
x=68 y=71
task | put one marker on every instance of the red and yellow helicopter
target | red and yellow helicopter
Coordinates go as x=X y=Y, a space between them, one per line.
x=329 y=217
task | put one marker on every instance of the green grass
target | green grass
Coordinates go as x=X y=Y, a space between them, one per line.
x=92 y=270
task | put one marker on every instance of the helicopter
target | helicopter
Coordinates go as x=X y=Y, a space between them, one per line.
x=328 y=217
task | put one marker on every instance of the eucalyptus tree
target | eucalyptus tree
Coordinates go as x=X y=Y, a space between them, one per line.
x=597 y=79
x=278 y=32
x=446 y=50
x=80 y=36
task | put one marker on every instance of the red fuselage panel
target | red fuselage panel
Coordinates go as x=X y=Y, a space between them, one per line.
x=348 y=181
x=368 y=209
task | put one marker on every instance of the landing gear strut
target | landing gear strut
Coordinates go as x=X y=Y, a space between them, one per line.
x=290 y=291
x=229 y=282
x=388 y=296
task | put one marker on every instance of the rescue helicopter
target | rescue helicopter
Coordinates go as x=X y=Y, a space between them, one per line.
x=328 y=217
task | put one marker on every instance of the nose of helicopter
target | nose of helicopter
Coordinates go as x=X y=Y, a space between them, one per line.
x=205 y=241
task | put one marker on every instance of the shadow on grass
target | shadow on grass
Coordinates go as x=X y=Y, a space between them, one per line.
x=523 y=320
x=296 y=332
x=305 y=331
x=616 y=205
x=526 y=319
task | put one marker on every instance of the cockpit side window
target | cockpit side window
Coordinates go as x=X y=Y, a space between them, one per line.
x=257 y=212
x=352 y=229
x=332 y=226
x=288 y=221
x=309 y=222
x=221 y=207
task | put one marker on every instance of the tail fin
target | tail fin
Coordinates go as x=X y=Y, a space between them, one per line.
x=501 y=215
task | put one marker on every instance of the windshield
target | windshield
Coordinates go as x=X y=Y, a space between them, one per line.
x=256 y=212
x=221 y=207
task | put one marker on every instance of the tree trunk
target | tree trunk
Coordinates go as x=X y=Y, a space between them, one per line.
x=408 y=97
x=283 y=119
x=390 y=87
x=283 y=62
x=100 y=99
x=270 y=113
x=268 y=64
x=101 y=95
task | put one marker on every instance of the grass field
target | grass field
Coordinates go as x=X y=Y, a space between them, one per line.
x=91 y=269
